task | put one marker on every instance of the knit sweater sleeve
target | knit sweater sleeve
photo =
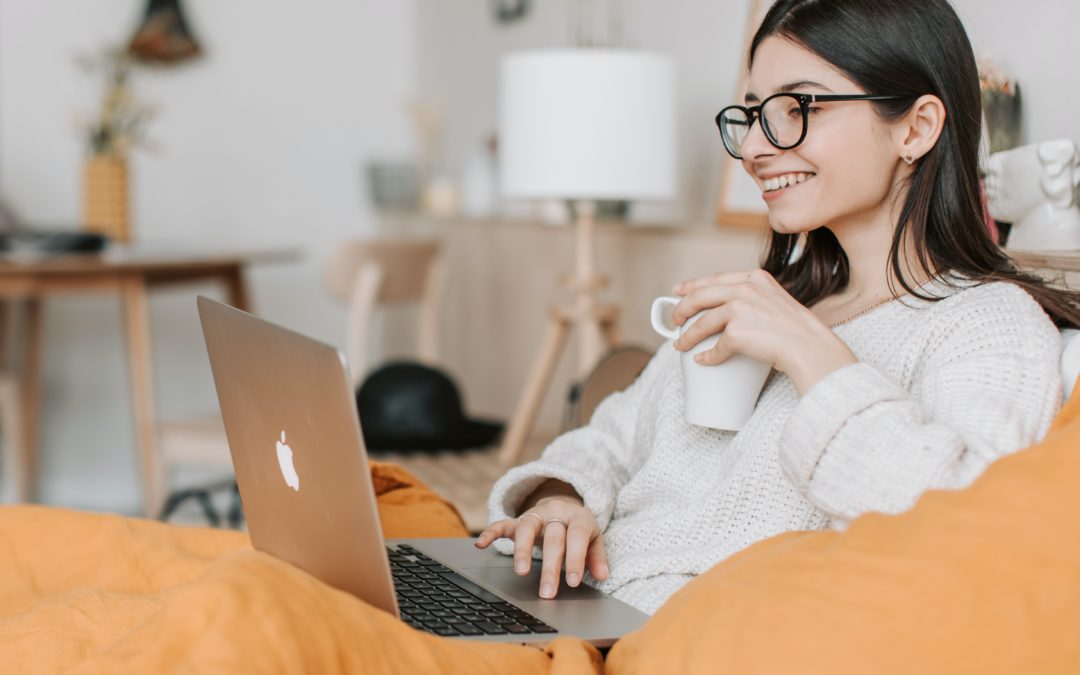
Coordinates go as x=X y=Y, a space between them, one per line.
x=988 y=384
x=596 y=459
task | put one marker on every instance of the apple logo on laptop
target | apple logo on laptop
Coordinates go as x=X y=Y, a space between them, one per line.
x=284 y=458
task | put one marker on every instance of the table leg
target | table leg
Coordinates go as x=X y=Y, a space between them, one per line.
x=237 y=289
x=6 y=310
x=137 y=327
x=31 y=403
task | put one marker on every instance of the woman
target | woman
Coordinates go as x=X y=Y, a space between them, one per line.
x=909 y=353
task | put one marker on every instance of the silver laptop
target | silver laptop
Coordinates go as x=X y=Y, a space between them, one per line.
x=301 y=466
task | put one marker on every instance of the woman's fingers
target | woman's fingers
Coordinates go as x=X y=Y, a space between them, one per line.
x=525 y=533
x=554 y=548
x=496 y=530
x=710 y=323
x=597 y=559
x=718 y=353
x=577 y=548
x=691 y=285
x=706 y=298
x=575 y=541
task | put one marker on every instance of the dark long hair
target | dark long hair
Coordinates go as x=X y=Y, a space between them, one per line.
x=906 y=48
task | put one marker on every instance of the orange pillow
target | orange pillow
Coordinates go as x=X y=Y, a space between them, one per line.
x=410 y=509
x=982 y=580
x=89 y=593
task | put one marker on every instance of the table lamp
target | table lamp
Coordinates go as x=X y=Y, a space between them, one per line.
x=582 y=125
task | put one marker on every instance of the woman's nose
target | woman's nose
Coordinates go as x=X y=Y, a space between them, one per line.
x=756 y=145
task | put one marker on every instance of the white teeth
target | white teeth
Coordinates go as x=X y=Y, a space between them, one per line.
x=777 y=182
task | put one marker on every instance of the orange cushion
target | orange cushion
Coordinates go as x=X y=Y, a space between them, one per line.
x=408 y=508
x=984 y=580
x=89 y=593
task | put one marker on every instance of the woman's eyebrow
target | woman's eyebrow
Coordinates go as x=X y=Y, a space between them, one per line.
x=789 y=87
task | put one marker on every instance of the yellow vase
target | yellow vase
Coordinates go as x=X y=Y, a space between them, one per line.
x=106 y=207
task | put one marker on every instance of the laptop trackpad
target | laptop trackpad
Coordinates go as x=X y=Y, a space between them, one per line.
x=505 y=581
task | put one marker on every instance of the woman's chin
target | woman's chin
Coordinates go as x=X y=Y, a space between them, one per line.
x=786 y=224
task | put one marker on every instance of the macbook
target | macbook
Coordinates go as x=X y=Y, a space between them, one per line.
x=302 y=469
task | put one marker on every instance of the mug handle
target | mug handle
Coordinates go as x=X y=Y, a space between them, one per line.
x=657 y=316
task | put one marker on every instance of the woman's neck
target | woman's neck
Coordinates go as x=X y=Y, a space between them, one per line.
x=867 y=242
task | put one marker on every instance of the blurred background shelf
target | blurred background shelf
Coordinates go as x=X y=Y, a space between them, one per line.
x=1062 y=261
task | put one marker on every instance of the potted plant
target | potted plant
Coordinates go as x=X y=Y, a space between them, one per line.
x=118 y=125
x=1001 y=106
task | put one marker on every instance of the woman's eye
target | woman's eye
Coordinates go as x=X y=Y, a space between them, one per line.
x=811 y=110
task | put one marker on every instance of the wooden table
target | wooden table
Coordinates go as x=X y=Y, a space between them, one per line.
x=128 y=272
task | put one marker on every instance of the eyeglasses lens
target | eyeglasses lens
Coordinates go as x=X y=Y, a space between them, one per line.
x=734 y=127
x=782 y=121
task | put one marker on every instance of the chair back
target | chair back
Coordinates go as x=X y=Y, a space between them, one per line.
x=367 y=273
x=616 y=371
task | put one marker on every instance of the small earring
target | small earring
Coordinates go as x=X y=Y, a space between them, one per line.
x=909 y=159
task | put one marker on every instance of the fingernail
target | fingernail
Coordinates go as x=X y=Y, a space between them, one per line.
x=700 y=358
x=520 y=566
x=547 y=590
x=572 y=579
x=604 y=570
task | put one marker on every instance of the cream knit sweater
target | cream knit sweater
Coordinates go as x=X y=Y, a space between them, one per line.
x=941 y=390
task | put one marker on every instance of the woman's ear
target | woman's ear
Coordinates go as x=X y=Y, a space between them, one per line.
x=919 y=130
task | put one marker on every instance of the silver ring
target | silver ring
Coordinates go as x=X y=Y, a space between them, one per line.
x=556 y=520
x=533 y=513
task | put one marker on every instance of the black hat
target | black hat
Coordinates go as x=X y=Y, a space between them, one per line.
x=410 y=406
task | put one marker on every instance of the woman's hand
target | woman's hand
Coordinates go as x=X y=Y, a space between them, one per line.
x=565 y=529
x=757 y=317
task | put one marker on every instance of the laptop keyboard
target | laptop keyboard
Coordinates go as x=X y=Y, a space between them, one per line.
x=434 y=598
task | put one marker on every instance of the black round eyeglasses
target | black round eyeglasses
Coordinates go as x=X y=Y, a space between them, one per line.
x=783 y=118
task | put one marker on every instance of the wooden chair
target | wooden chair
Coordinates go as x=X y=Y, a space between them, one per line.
x=364 y=274
x=616 y=371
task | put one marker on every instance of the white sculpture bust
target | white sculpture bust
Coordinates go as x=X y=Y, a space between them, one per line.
x=1035 y=188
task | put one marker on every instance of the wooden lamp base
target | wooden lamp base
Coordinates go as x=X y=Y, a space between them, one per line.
x=595 y=323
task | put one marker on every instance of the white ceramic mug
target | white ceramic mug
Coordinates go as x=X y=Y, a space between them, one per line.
x=721 y=396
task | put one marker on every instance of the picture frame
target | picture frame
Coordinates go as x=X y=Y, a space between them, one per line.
x=738 y=198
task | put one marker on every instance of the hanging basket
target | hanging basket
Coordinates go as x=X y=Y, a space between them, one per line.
x=106 y=207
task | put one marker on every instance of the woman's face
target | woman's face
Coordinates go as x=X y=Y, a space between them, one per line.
x=848 y=162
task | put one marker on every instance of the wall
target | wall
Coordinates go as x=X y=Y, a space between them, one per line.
x=1033 y=45
x=259 y=143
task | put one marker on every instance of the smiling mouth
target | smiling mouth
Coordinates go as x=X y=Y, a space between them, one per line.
x=778 y=183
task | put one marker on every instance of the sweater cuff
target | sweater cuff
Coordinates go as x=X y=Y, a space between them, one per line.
x=824 y=410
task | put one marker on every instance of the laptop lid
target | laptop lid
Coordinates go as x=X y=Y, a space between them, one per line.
x=300 y=463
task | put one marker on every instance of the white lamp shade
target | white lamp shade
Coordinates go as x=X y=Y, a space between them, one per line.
x=587 y=124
